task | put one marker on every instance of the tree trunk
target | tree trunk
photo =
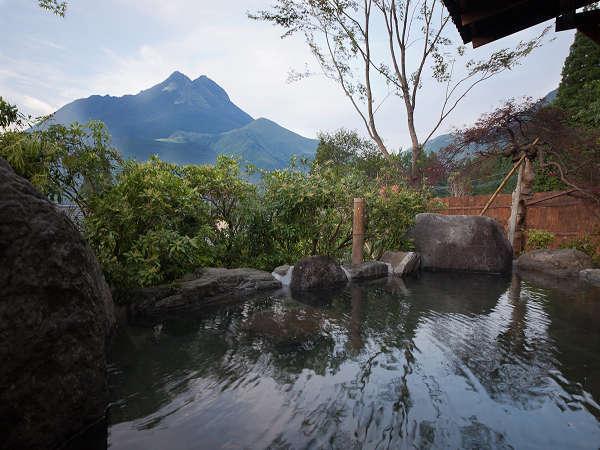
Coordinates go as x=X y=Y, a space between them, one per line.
x=416 y=146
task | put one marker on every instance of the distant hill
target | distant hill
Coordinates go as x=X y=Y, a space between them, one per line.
x=188 y=122
x=443 y=140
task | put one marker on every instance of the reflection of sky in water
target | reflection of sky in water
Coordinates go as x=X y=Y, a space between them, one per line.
x=446 y=361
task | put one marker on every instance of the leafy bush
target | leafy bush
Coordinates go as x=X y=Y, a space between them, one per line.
x=231 y=202
x=311 y=213
x=161 y=220
x=149 y=227
x=538 y=239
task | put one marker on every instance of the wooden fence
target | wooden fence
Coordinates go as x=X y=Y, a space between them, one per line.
x=566 y=216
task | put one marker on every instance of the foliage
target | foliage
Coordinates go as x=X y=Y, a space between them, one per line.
x=150 y=226
x=57 y=7
x=345 y=150
x=579 y=89
x=233 y=210
x=9 y=114
x=311 y=213
x=564 y=155
x=538 y=239
x=161 y=220
x=68 y=164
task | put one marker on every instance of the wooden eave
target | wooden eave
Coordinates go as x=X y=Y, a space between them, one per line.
x=485 y=21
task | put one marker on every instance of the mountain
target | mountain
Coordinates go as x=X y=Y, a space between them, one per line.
x=188 y=122
x=437 y=143
x=443 y=140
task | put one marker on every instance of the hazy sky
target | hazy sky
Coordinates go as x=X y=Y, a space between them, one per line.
x=120 y=47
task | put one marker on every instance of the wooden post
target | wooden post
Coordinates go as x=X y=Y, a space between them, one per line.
x=517 y=223
x=358 y=231
x=514 y=209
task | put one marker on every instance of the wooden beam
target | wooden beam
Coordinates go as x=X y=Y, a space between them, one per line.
x=585 y=19
x=560 y=194
x=587 y=22
x=506 y=178
x=491 y=9
x=484 y=22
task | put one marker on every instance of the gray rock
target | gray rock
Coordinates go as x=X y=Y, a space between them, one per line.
x=317 y=272
x=463 y=243
x=402 y=263
x=367 y=271
x=592 y=276
x=282 y=270
x=56 y=313
x=563 y=263
x=283 y=274
x=211 y=286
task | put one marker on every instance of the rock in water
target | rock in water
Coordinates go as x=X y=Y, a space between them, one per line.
x=283 y=274
x=465 y=243
x=402 y=263
x=56 y=313
x=317 y=272
x=205 y=287
x=562 y=263
x=368 y=270
x=592 y=276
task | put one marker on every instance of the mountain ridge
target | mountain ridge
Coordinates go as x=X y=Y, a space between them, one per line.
x=188 y=121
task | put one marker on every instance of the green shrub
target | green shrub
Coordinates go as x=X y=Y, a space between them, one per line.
x=311 y=213
x=149 y=227
x=538 y=239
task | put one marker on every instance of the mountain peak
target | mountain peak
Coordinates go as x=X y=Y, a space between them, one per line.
x=187 y=121
x=178 y=76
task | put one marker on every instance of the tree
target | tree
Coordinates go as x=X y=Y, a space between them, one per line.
x=579 y=89
x=67 y=164
x=342 y=34
x=564 y=155
x=9 y=115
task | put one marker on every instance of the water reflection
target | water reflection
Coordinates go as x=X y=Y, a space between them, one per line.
x=444 y=361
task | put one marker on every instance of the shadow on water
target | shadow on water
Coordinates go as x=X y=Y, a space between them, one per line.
x=442 y=361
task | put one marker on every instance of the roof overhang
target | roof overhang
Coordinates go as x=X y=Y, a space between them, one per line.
x=485 y=21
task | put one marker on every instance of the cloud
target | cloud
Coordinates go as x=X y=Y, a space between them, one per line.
x=37 y=106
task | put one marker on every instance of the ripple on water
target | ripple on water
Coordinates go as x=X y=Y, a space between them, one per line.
x=445 y=361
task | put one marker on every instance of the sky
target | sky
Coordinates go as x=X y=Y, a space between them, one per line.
x=120 y=47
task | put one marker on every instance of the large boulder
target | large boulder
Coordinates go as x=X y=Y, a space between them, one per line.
x=563 y=263
x=56 y=313
x=402 y=263
x=205 y=287
x=317 y=272
x=462 y=243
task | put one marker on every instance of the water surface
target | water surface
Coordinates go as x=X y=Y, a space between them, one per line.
x=444 y=361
